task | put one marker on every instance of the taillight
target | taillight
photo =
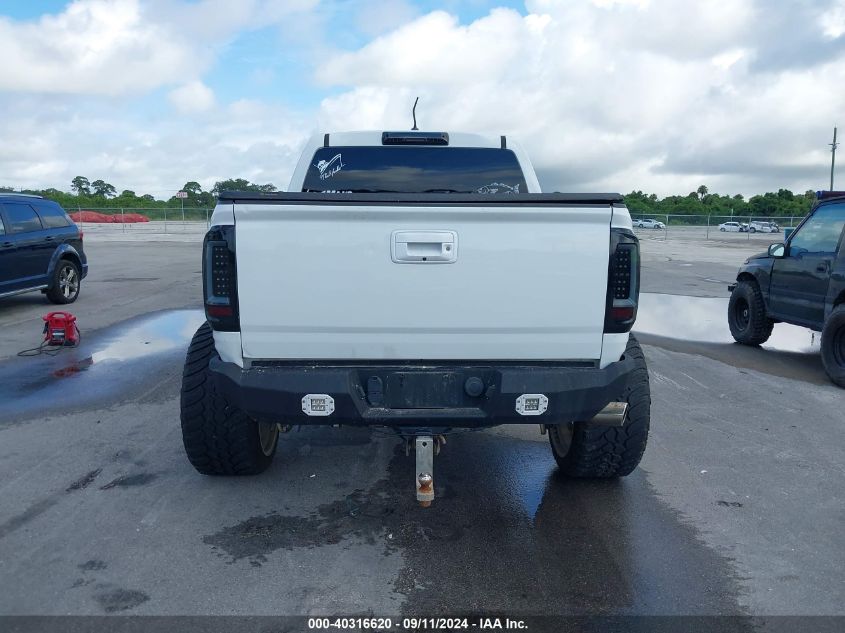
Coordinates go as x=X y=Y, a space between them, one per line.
x=623 y=281
x=220 y=279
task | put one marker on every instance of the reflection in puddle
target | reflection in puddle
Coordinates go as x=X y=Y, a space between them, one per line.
x=161 y=333
x=705 y=319
x=75 y=368
x=151 y=336
x=104 y=364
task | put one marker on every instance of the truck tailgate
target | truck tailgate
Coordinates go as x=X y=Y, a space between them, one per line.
x=370 y=281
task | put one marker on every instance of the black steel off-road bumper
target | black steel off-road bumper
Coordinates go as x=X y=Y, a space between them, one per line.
x=442 y=395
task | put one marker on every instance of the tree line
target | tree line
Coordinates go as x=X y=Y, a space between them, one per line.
x=87 y=194
x=783 y=203
x=100 y=194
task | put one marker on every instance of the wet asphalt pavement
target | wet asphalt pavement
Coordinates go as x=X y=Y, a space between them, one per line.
x=736 y=509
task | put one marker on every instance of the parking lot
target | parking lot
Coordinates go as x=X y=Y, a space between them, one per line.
x=702 y=232
x=736 y=509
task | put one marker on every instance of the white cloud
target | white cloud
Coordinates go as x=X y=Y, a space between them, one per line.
x=605 y=4
x=729 y=58
x=833 y=20
x=432 y=50
x=118 y=47
x=192 y=97
x=47 y=144
x=654 y=95
x=94 y=46
x=375 y=17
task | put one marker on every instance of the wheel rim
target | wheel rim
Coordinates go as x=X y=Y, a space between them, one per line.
x=268 y=434
x=561 y=437
x=68 y=281
x=839 y=346
x=742 y=314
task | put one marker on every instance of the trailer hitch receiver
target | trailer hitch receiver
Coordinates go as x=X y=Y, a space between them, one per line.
x=425 y=469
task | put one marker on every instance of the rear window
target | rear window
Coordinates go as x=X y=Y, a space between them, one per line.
x=22 y=217
x=414 y=170
x=52 y=215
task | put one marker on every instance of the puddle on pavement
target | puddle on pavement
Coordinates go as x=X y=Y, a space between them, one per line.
x=150 y=336
x=110 y=362
x=705 y=320
x=160 y=333
x=546 y=544
x=117 y=359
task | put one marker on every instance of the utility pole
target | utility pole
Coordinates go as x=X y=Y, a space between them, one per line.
x=833 y=147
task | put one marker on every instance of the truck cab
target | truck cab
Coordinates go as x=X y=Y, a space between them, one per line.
x=800 y=281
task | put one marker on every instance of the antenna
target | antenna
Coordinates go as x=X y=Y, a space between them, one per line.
x=414 y=112
x=833 y=147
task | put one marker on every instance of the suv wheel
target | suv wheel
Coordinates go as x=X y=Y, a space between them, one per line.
x=747 y=314
x=65 y=285
x=833 y=345
x=219 y=439
x=608 y=451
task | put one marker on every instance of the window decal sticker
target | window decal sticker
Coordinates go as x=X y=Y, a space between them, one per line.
x=498 y=187
x=329 y=168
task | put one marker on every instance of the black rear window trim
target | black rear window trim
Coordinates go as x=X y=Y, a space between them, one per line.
x=423 y=199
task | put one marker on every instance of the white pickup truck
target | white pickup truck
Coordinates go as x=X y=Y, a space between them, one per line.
x=417 y=281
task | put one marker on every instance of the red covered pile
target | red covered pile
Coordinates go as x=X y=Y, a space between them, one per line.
x=114 y=218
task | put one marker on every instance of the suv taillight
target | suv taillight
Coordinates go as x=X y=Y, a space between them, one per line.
x=220 y=279
x=623 y=281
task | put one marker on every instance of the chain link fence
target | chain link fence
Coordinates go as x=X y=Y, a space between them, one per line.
x=161 y=220
x=693 y=227
x=715 y=227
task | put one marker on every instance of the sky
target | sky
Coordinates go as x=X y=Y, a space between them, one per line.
x=606 y=95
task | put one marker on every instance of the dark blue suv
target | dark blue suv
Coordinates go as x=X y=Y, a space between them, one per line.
x=40 y=249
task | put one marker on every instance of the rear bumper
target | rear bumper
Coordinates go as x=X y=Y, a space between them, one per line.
x=421 y=395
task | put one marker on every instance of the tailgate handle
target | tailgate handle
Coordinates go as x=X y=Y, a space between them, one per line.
x=424 y=247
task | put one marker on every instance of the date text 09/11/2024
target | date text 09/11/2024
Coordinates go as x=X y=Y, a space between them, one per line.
x=416 y=624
